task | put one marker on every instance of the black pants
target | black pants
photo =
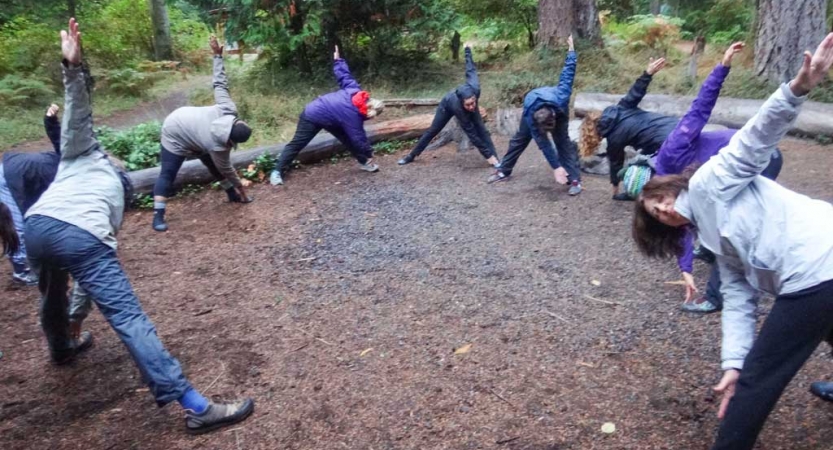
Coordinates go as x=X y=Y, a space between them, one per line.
x=476 y=128
x=794 y=328
x=567 y=151
x=169 y=167
x=713 y=287
x=305 y=132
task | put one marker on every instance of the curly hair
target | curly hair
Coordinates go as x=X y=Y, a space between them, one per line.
x=589 y=134
x=653 y=238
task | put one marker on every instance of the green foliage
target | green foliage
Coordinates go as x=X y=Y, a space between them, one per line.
x=260 y=168
x=143 y=201
x=20 y=91
x=654 y=32
x=721 y=21
x=501 y=19
x=138 y=147
x=391 y=147
x=128 y=81
x=27 y=47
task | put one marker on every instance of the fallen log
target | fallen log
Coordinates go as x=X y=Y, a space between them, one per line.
x=322 y=147
x=411 y=102
x=815 y=118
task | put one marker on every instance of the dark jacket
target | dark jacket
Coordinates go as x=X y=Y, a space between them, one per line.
x=453 y=101
x=625 y=124
x=29 y=174
x=335 y=111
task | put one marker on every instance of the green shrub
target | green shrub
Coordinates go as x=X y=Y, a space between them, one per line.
x=28 y=47
x=24 y=91
x=138 y=147
x=654 y=32
x=129 y=81
x=260 y=168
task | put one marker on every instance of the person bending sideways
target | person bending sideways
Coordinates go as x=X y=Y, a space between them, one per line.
x=547 y=111
x=766 y=238
x=341 y=113
x=462 y=104
x=208 y=133
x=71 y=230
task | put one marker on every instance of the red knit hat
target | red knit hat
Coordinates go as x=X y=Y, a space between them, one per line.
x=360 y=101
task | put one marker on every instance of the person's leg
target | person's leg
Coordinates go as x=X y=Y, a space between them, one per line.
x=304 y=133
x=517 y=145
x=441 y=118
x=824 y=389
x=713 y=294
x=80 y=305
x=792 y=331
x=362 y=157
x=169 y=165
x=567 y=153
x=231 y=192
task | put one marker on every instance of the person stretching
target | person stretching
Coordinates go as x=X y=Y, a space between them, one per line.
x=547 y=111
x=72 y=229
x=341 y=113
x=208 y=133
x=766 y=238
x=462 y=104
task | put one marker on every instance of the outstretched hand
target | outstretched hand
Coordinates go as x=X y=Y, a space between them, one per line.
x=570 y=45
x=690 y=286
x=336 y=54
x=52 y=110
x=733 y=50
x=727 y=388
x=655 y=65
x=71 y=43
x=814 y=68
x=215 y=45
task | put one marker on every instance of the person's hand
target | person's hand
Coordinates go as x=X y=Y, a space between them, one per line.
x=215 y=45
x=814 y=68
x=71 y=43
x=690 y=286
x=655 y=65
x=733 y=50
x=336 y=54
x=244 y=198
x=52 y=110
x=570 y=45
x=727 y=388
x=560 y=175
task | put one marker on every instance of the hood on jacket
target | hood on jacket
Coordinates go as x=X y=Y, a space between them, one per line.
x=221 y=130
x=465 y=92
x=607 y=122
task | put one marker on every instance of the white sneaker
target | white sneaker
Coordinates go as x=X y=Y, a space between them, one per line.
x=275 y=178
x=369 y=167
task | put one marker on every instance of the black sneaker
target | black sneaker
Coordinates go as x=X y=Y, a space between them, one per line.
x=159 y=223
x=406 y=160
x=497 y=177
x=822 y=390
x=622 y=197
x=27 y=278
x=84 y=342
x=218 y=415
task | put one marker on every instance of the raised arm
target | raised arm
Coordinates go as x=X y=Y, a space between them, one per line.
x=640 y=87
x=222 y=97
x=342 y=72
x=77 y=136
x=53 y=127
x=568 y=73
x=471 y=71
x=740 y=301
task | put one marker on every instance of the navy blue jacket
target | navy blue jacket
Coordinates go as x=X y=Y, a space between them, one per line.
x=29 y=174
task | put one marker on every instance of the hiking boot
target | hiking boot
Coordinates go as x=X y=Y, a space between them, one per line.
x=406 y=160
x=575 y=188
x=218 y=415
x=84 y=342
x=622 y=197
x=703 y=254
x=159 y=223
x=369 y=167
x=704 y=307
x=497 y=177
x=233 y=195
x=28 y=278
x=822 y=390
x=275 y=178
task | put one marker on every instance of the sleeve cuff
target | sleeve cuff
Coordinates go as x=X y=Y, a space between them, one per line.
x=728 y=364
x=790 y=97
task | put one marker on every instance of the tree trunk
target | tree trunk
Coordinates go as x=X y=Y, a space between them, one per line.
x=163 y=49
x=557 y=19
x=654 y=7
x=783 y=32
x=696 y=51
x=71 y=8
x=455 y=47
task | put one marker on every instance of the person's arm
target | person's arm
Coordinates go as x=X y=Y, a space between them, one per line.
x=471 y=72
x=543 y=142
x=342 y=72
x=53 y=127
x=77 y=137
x=222 y=97
x=222 y=160
x=740 y=301
x=357 y=137
x=640 y=87
x=568 y=76
x=475 y=130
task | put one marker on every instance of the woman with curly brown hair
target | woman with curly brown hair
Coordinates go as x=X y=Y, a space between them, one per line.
x=766 y=239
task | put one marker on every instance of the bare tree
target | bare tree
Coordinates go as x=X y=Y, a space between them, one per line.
x=783 y=31
x=557 y=19
x=162 y=47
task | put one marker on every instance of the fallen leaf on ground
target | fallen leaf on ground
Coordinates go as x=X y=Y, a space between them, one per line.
x=366 y=351
x=464 y=349
x=245 y=182
x=596 y=283
x=581 y=363
x=609 y=428
x=678 y=282
x=251 y=168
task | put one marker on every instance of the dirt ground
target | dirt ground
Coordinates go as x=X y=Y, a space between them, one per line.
x=337 y=303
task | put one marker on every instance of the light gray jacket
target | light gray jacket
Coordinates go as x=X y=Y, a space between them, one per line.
x=767 y=238
x=192 y=131
x=87 y=191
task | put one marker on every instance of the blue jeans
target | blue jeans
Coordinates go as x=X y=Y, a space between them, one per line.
x=57 y=249
x=567 y=156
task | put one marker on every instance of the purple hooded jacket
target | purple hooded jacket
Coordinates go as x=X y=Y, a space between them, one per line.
x=336 y=113
x=688 y=144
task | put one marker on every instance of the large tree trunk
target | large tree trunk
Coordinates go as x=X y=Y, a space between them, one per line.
x=557 y=19
x=162 y=47
x=784 y=30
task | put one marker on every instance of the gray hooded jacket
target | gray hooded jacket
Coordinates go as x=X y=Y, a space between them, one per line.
x=191 y=131
x=767 y=238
